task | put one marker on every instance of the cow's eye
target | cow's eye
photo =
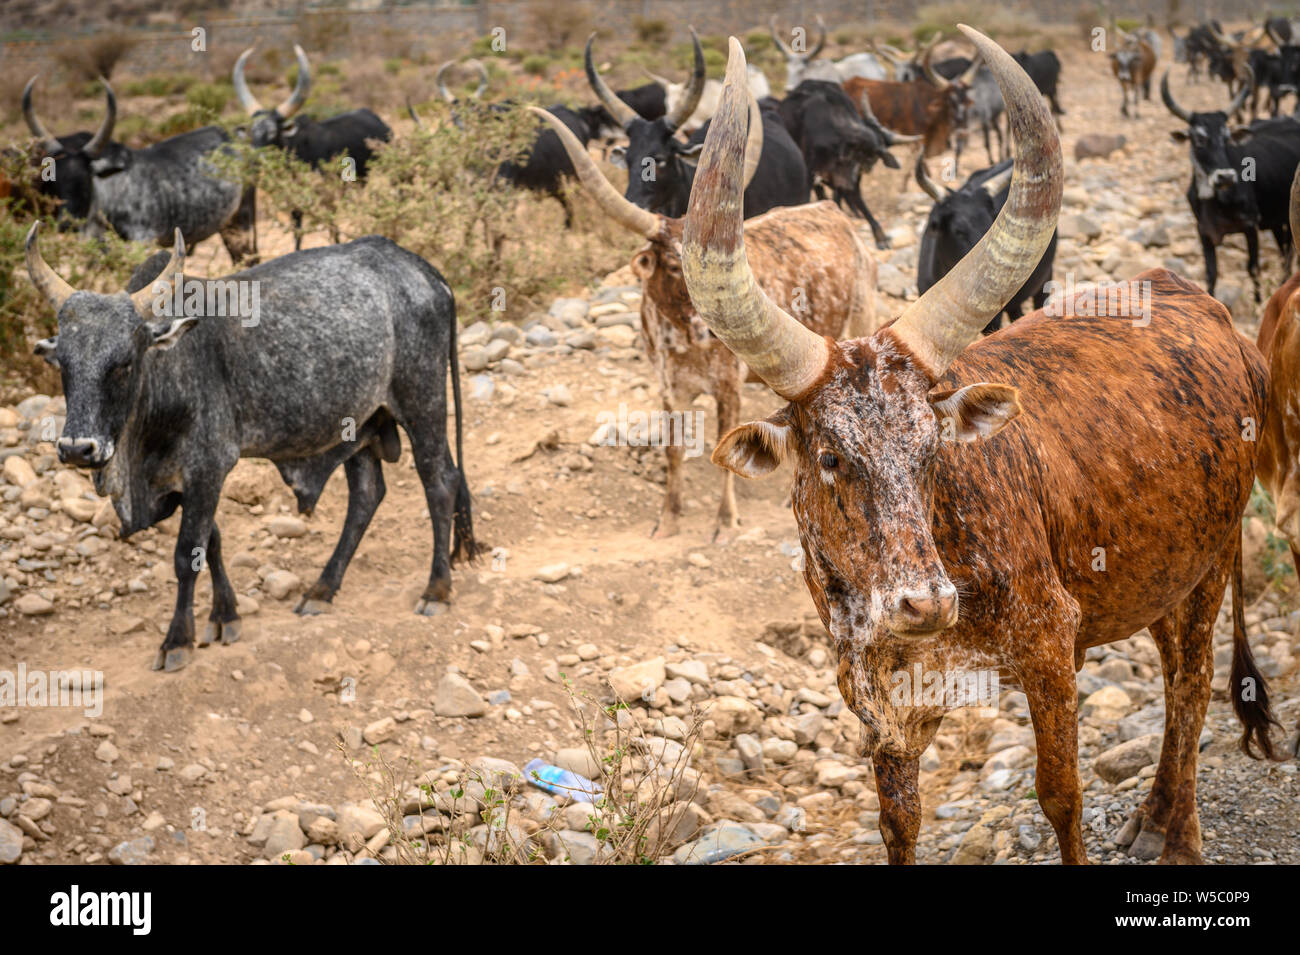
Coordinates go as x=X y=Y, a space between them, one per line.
x=829 y=460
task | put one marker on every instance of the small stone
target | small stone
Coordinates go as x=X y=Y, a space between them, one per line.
x=132 y=852
x=457 y=697
x=380 y=731
x=287 y=526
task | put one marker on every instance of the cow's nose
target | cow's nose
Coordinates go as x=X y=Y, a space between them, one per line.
x=925 y=611
x=79 y=452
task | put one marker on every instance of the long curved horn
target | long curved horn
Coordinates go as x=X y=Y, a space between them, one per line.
x=300 y=88
x=171 y=274
x=663 y=81
x=1168 y=98
x=780 y=45
x=891 y=138
x=442 y=86
x=694 y=89
x=49 y=142
x=940 y=82
x=242 y=93
x=821 y=38
x=895 y=57
x=482 y=82
x=968 y=77
x=925 y=47
x=995 y=184
x=617 y=207
x=1247 y=85
x=48 y=282
x=415 y=117
x=617 y=108
x=753 y=142
x=102 y=135
x=932 y=189
x=787 y=355
x=953 y=312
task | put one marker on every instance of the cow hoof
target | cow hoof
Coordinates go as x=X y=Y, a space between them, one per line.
x=310 y=607
x=1130 y=831
x=211 y=634
x=430 y=608
x=177 y=658
x=1148 y=845
x=884 y=242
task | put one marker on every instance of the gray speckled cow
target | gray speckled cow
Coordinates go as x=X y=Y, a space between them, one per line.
x=347 y=342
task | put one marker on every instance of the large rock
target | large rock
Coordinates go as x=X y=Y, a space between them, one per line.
x=1097 y=145
x=1127 y=759
x=638 y=681
x=456 y=697
x=11 y=843
x=357 y=824
x=732 y=715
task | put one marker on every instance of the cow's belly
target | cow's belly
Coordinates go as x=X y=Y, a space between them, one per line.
x=1143 y=441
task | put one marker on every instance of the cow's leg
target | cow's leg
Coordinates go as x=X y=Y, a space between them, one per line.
x=223 y=623
x=296 y=217
x=1252 y=260
x=900 y=805
x=239 y=234
x=727 y=394
x=1285 y=246
x=882 y=240
x=198 y=510
x=672 y=509
x=365 y=490
x=1168 y=821
x=1211 y=262
x=443 y=492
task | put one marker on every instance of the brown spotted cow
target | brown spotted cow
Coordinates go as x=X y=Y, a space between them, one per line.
x=1279 y=451
x=1000 y=505
x=808 y=256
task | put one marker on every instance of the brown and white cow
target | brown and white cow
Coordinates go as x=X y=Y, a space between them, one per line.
x=1000 y=504
x=1132 y=65
x=809 y=257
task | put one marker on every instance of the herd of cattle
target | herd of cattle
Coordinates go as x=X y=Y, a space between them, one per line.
x=930 y=539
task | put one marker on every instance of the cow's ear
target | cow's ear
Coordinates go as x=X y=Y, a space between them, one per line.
x=976 y=411
x=1240 y=133
x=1180 y=135
x=643 y=264
x=167 y=334
x=46 y=348
x=757 y=448
x=888 y=159
x=290 y=128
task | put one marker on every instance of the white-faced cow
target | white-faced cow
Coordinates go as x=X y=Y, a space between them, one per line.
x=315 y=142
x=342 y=344
x=1241 y=176
x=1000 y=504
x=809 y=256
x=145 y=195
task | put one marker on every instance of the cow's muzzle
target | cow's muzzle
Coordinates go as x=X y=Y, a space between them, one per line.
x=84 y=452
x=923 y=611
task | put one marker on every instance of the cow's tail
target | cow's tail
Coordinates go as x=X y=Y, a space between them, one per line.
x=463 y=546
x=1246 y=685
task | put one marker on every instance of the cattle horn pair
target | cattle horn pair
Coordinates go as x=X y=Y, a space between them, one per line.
x=935 y=328
x=993 y=185
x=791 y=54
x=942 y=82
x=619 y=208
x=626 y=114
x=94 y=146
x=291 y=105
x=1237 y=101
x=57 y=291
x=447 y=94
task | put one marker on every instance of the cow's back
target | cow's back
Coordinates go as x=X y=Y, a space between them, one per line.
x=1128 y=470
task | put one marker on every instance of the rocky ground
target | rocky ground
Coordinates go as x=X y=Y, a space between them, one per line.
x=372 y=735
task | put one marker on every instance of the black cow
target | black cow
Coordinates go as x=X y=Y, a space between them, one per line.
x=145 y=195
x=1225 y=199
x=312 y=141
x=1200 y=47
x=959 y=219
x=340 y=346
x=839 y=144
x=1044 y=68
x=659 y=175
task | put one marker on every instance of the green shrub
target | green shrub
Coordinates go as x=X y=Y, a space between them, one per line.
x=536 y=64
x=650 y=30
